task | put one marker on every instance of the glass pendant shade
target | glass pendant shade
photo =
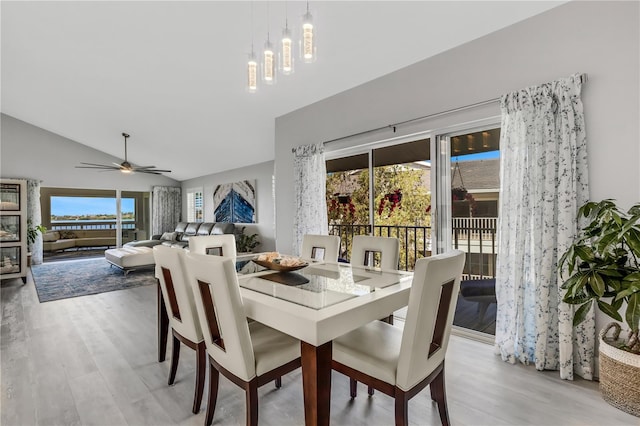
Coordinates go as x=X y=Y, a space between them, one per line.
x=252 y=74
x=269 y=64
x=308 y=42
x=286 y=52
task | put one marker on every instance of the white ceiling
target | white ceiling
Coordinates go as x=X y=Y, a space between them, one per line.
x=172 y=73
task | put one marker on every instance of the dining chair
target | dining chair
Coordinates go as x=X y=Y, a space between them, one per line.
x=248 y=354
x=219 y=245
x=183 y=318
x=400 y=363
x=315 y=245
x=364 y=251
x=366 y=248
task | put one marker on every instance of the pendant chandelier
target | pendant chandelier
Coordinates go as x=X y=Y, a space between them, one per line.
x=281 y=61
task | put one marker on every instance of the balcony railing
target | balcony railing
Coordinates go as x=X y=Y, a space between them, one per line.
x=475 y=236
x=82 y=225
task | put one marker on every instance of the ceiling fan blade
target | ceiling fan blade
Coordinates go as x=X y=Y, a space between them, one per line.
x=150 y=169
x=101 y=165
x=98 y=167
x=125 y=166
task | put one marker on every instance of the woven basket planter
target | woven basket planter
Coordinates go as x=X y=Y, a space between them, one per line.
x=619 y=374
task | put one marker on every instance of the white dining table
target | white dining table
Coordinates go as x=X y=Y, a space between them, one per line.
x=335 y=299
x=315 y=304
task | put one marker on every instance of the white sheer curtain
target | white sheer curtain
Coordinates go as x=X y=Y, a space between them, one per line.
x=167 y=209
x=310 y=179
x=543 y=183
x=34 y=213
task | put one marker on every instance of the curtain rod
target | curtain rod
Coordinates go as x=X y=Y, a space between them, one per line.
x=583 y=79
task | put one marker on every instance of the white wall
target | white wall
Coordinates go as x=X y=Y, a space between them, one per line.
x=31 y=152
x=601 y=39
x=597 y=38
x=263 y=174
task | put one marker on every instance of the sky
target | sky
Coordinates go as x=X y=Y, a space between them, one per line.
x=63 y=206
x=489 y=155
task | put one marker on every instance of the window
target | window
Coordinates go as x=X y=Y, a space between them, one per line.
x=195 y=205
x=73 y=212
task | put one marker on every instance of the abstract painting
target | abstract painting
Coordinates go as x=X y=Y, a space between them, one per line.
x=235 y=202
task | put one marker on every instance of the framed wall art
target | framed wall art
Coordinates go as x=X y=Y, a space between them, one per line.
x=235 y=202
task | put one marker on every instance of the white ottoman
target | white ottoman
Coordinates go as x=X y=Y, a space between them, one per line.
x=130 y=258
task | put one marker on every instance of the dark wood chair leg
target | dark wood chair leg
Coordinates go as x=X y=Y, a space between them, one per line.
x=163 y=326
x=175 y=357
x=370 y=391
x=439 y=395
x=402 y=408
x=278 y=382
x=252 y=402
x=201 y=368
x=214 y=377
x=353 y=388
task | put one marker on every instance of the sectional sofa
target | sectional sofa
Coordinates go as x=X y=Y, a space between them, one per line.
x=62 y=240
x=139 y=254
x=183 y=230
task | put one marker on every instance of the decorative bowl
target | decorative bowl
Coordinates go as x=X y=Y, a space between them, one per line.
x=278 y=267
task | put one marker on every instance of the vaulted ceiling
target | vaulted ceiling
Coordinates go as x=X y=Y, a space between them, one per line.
x=172 y=73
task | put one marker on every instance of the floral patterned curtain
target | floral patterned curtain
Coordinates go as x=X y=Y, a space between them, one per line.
x=34 y=213
x=310 y=179
x=543 y=183
x=167 y=209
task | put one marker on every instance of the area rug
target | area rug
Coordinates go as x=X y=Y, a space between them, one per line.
x=61 y=280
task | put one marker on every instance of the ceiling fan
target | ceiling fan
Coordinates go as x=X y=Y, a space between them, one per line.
x=125 y=166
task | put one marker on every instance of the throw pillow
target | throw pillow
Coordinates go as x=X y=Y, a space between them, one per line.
x=67 y=235
x=169 y=236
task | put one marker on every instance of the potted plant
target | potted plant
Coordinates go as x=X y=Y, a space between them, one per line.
x=604 y=269
x=246 y=243
x=32 y=234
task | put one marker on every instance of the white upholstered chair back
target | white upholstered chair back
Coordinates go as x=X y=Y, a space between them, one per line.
x=176 y=292
x=432 y=302
x=313 y=244
x=219 y=305
x=365 y=246
x=220 y=245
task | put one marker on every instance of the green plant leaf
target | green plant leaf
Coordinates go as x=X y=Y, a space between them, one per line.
x=597 y=283
x=632 y=315
x=576 y=300
x=633 y=241
x=627 y=292
x=606 y=241
x=609 y=310
x=581 y=313
x=617 y=304
x=573 y=280
x=585 y=253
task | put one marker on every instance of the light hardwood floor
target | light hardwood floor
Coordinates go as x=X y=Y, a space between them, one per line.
x=92 y=361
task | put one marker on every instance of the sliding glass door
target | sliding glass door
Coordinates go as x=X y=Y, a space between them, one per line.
x=435 y=192
x=385 y=192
